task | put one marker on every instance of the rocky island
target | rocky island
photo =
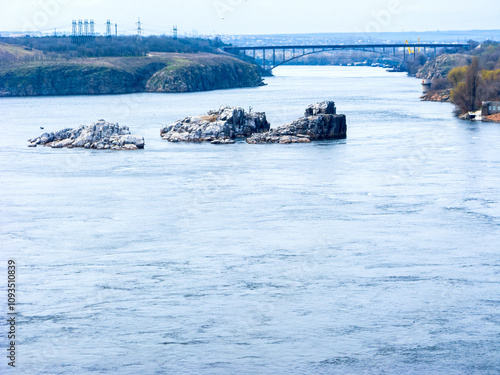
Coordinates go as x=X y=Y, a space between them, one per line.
x=221 y=126
x=101 y=135
x=224 y=125
x=320 y=121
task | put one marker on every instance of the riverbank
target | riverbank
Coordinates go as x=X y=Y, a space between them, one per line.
x=156 y=72
x=468 y=80
x=437 y=96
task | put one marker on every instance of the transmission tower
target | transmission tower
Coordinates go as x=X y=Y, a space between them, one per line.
x=139 y=29
x=108 y=29
x=86 y=28
x=73 y=32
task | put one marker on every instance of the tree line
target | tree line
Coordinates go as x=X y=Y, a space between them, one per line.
x=114 y=46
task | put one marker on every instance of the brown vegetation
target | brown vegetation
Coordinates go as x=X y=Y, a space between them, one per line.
x=465 y=92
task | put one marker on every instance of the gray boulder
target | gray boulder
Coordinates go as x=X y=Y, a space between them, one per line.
x=325 y=108
x=224 y=124
x=101 y=135
x=320 y=122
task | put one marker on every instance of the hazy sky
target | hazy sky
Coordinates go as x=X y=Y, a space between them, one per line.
x=253 y=16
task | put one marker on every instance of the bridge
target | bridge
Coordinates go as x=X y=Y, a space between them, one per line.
x=274 y=56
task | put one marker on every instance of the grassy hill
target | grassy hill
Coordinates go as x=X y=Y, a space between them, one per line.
x=57 y=66
x=10 y=53
x=158 y=72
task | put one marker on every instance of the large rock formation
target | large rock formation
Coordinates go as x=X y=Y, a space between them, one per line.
x=320 y=122
x=215 y=73
x=442 y=65
x=101 y=135
x=219 y=126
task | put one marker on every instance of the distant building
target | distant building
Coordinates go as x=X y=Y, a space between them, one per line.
x=490 y=108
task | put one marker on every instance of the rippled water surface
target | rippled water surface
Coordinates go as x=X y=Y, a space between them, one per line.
x=378 y=254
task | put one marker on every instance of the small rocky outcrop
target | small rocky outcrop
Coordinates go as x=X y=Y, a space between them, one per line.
x=221 y=126
x=437 y=96
x=101 y=135
x=320 y=122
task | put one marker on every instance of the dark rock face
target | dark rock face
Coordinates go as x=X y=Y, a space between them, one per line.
x=66 y=79
x=204 y=78
x=320 y=122
x=101 y=135
x=219 y=126
x=325 y=108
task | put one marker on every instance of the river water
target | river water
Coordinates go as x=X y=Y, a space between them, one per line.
x=370 y=255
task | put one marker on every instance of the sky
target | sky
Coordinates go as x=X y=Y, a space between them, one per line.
x=210 y=17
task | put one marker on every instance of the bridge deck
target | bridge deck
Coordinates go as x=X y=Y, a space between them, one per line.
x=351 y=46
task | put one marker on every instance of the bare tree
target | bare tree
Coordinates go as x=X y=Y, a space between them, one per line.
x=465 y=94
x=472 y=84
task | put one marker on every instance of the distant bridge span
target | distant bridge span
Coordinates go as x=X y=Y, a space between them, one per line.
x=287 y=53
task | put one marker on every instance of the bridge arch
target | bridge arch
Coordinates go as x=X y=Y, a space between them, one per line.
x=331 y=50
x=372 y=48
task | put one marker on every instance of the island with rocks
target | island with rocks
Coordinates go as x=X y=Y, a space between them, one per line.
x=220 y=126
x=320 y=122
x=101 y=135
x=223 y=126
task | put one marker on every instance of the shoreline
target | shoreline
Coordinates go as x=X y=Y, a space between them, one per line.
x=161 y=73
x=443 y=96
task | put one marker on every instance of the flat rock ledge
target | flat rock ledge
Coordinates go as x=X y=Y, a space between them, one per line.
x=320 y=121
x=101 y=135
x=220 y=126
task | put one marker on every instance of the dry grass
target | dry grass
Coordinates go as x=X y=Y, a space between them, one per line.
x=209 y=118
x=9 y=52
